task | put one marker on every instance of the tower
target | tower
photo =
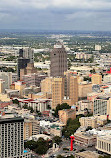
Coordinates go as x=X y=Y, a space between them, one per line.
x=72 y=139
x=58 y=58
x=26 y=55
x=11 y=137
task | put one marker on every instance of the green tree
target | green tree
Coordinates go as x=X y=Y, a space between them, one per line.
x=88 y=128
x=15 y=101
x=60 y=156
x=25 y=106
x=40 y=147
x=57 y=140
x=61 y=107
x=93 y=71
x=30 y=145
x=71 y=127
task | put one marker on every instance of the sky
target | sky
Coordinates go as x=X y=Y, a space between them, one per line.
x=85 y=15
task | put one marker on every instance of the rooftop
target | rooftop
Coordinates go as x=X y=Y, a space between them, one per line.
x=10 y=119
x=88 y=154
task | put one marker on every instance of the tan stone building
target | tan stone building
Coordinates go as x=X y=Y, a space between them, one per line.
x=104 y=144
x=84 y=88
x=40 y=95
x=2 y=86
x=73 y=89
x=55 y=130
x=57 y=91
x=20 y=85
x=46 y=85
x=83 y=139
x=65 y=114
x=31 y=127
x=64 y=90
x=86 y=154
x=96 y=79
x=30 y=69
x=82 y=105
x=94 y=121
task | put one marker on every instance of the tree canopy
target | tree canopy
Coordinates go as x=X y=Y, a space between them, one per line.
x=71 y=127
x=40 y=147
x=57 y=140
x=61 y=107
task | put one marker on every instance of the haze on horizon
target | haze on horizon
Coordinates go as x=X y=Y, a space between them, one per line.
x=56 y=14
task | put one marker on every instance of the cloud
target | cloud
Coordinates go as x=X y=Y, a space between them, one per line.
x=56 y=14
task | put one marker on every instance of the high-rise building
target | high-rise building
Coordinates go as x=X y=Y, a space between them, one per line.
x=30 y=69
x=33 y=79
x=58 y=58
x=64 y=90
x=21 y=64
x=46 y=85
x=11 y=137
x=73 y=89
x=2 y=86
x=26 y=55
x=57 y=91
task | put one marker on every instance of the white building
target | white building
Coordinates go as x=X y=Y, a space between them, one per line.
x=104 y=144
x=36 y=137
x=107 y=78
x=37 y=105
x=97 y=47
x=85 y=104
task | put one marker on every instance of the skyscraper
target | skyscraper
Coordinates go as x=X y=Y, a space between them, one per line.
x=11 y=137
x=58 y=58
x=57 y=91
x=64 y=90
x=26 y=55
x=21 y=64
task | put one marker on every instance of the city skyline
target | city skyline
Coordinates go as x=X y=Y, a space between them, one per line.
x=56 y=15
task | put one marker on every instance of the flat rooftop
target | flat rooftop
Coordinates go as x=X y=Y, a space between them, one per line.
x=10 y=119
x=88 y=154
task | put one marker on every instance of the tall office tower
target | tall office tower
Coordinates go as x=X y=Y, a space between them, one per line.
x=46 y=85
x=30 y=69
x=26 y=55
x=57 y=91
x=21 y=64
x=73 y=89
x=33 y=79
x=64 y=90
x=58 y=58
x=11 y=137
x=2 y=86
